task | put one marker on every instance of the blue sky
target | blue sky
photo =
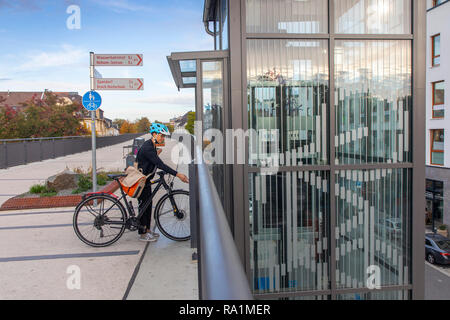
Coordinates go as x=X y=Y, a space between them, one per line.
x=39 y=52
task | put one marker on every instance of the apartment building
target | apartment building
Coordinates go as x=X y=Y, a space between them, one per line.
x=437 y=116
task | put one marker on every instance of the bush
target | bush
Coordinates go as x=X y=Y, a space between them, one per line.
x=43 y=191
x=102 y=179
x=37 y=189
x=443 y=227
x=84 y=183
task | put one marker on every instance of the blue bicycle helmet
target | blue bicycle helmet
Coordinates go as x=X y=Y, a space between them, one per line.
x=159 y=128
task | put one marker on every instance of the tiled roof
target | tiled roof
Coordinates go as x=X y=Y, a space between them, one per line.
x=15 y=99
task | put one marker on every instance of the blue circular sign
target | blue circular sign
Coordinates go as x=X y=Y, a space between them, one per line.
x=92 y=101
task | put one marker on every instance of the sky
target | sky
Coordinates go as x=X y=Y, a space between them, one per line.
x=38 y=51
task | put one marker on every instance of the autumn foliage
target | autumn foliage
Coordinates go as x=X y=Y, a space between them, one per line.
x=40 y=118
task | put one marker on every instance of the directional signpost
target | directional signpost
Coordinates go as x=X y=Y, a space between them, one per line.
x=118 y=84
x=118 y=60
x=92 y=100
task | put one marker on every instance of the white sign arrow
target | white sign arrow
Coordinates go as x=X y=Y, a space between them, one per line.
x=118 y=60
x=118 y=84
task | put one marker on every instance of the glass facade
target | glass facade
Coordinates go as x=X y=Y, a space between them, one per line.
x=289 y=231
x=287 y=16
x=373 y=226
x=342 y=105
x=212 y=84
x=288 y=92
x=373 y=101
x=372 y=16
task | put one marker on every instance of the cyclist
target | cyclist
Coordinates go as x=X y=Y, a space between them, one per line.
x=148 y=160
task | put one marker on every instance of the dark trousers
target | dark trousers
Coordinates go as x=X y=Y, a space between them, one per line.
x=146 y=217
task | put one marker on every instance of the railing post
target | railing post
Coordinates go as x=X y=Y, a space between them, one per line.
x=41 y=155
x=5 y=149
x=25 y=152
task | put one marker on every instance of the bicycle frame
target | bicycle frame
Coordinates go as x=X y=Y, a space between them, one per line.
x=160 y=183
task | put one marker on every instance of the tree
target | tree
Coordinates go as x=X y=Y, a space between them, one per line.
x=119 y=122
x=190 y=122
x=143 y=125
x=128 y=127
x=47 y=117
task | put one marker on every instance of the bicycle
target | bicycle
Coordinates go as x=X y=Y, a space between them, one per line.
x=172 y=214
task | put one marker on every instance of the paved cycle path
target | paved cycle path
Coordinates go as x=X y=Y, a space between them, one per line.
x=40 y=254
x=19 y=179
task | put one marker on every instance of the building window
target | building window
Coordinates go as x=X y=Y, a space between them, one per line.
x=435 y=202
x=437 y=147
x=436 y=50
x=438 y=99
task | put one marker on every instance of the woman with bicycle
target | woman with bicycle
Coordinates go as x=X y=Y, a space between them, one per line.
x=148 y=160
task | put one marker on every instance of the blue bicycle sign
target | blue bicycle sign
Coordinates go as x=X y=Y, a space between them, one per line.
x=92 y=101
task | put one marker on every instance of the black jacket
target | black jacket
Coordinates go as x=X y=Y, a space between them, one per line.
x=147 y=158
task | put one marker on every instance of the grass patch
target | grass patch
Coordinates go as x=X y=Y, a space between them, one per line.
x=43 y=191
x=37 y=189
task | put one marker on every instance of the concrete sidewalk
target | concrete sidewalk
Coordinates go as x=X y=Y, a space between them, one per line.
x=18 y=180
x=167 y=271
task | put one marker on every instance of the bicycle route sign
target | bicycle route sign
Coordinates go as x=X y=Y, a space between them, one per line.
x=92 y=101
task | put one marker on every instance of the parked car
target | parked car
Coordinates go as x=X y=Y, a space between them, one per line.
x=437 y=249
x=392 y=227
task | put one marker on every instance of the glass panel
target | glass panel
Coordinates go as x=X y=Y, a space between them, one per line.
x=288 y=101
x=224 y=25
x=289 y=228
x=373 y=16
x=373 y=101
x=376 y=295
x=212 y=77
x=438 y=140
x=287 y=16
x=189 y=80
x=373 y=227
x=439 y=93
x=188 y=66
x=437 y=158
x=437 y=46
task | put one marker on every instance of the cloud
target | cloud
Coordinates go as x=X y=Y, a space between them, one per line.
x=5 y=79
x=120 y=6
x=41 y=85
x=66 y=56
x=182 y=99
x=20 y=4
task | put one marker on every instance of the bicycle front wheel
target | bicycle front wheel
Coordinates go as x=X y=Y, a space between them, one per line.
x=99 y=221
x=172 y=216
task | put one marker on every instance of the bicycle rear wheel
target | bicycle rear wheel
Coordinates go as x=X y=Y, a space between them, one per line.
x=99 y=221
x=174 y=225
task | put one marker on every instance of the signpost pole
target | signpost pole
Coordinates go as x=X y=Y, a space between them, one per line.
x=94 y=141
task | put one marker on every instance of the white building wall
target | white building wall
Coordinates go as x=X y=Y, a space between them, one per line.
x=438 y=22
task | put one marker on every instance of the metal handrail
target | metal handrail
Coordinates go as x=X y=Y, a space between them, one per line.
x=221 y=272
x=51 y=138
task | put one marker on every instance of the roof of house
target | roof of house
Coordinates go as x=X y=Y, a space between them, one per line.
x=15 y=99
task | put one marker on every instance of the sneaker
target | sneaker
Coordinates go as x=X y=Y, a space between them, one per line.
x=154 y=234
x=148 y=238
